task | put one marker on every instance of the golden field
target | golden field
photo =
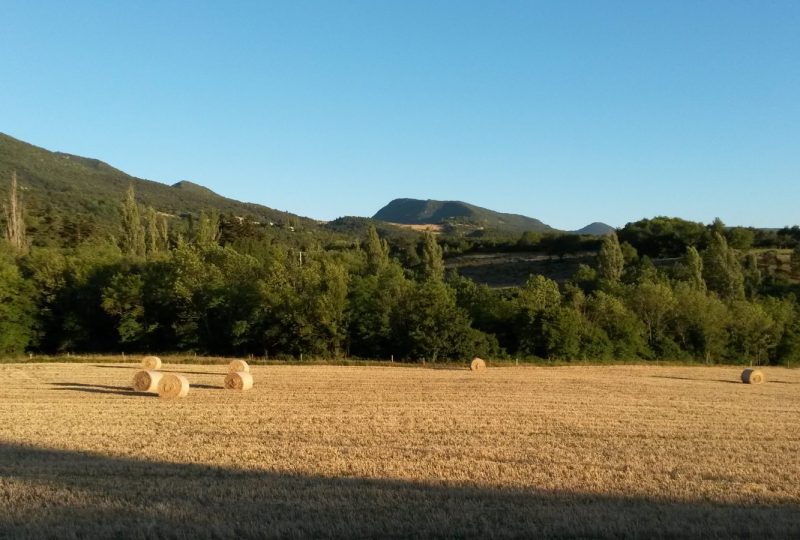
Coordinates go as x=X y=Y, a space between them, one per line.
x=329 y=451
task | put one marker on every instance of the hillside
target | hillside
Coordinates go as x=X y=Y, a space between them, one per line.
x=356 y=227
x=596 y=229
x=60 y=189
x=419 y=212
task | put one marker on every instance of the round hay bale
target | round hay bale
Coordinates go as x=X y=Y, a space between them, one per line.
x=146 y=381
x=753 y=376
x=151 y=362
x=477 y=364
x=238 y=380
x=238 y=366
x=172 y=386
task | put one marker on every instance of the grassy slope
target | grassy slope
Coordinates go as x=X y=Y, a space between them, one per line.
x=56 y=186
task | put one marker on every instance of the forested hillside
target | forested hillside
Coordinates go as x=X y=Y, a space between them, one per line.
x=671 y=290
x=93 y=259
x=69 y=199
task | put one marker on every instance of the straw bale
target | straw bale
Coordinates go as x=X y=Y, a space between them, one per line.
x=753 y=376
x=477 y=364
x=173 y=385
x=146 y=381
x=238 y=380
x=151 y=362
x=238 y=365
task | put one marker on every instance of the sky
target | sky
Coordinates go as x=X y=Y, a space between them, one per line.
x=567 y=111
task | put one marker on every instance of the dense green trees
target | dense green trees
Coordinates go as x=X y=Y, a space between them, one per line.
x=208 y=298
x=222 y=287
x=722 y=271
x=610 y=260
x=16 y=307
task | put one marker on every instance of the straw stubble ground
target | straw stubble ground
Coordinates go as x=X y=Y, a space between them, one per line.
x=355 y=451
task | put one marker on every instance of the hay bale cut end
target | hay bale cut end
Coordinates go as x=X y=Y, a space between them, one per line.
x=753 y=376
x=238 y=380
x=238 y=366
x=151 y=362
x=173 y=386
x=477 y=364
x=146 y=381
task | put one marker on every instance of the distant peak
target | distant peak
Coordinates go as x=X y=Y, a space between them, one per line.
x=188 y=185
x=455 y=213
x=596 y=228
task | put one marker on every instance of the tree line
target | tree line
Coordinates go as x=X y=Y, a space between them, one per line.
x=210 y=291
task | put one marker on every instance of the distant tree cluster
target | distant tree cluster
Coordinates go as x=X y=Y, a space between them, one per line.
x=224 y=287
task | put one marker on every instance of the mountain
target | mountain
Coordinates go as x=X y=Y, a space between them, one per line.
x=58 y=189
x=430 y=212
x=596 y=229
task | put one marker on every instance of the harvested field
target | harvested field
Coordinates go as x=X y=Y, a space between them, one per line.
x=369 y=451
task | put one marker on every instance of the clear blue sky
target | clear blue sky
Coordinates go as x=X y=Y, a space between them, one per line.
x=567 y=111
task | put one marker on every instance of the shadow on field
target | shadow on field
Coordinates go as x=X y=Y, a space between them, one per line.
x=99 y=389
x=56 y=493
x=207 y=386
x=186 y=371
x=729 y=381
x=129 y=366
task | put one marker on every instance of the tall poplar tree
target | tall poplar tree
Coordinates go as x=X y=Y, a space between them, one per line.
x=610 y=261
x=721 y=269
x=15 y=221
x=132 y=241
x=432 y=262
x=377 y=251
x=694 y=268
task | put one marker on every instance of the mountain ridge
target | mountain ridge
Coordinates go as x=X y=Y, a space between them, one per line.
x=409 y=211
x=58 y=187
